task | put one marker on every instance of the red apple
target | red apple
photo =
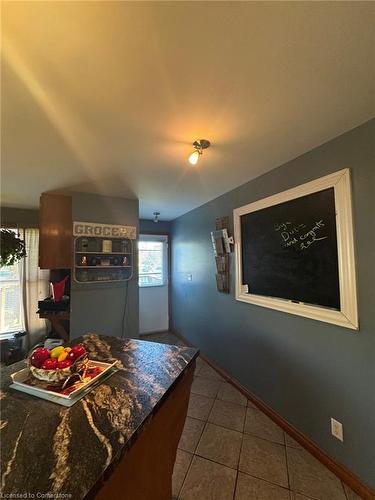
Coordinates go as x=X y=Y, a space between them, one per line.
x=39 y=356
x=64 y=364
x=50 y=364
x=79 y=350
x=71 y=356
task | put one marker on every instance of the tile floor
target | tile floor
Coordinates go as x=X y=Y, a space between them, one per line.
x=230 y=450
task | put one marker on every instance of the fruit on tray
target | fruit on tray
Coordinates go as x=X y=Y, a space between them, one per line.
x=59 y=364
x=65 y=363
x=39 y=356
x=76 y=352
x=63 y=356
x=71 y=356
x=56 y=351
x=79 y=350
x=49 y=364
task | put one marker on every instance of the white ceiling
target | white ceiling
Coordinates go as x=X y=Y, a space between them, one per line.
x=107 y=97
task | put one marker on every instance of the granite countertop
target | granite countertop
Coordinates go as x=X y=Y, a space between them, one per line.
x=64 y=452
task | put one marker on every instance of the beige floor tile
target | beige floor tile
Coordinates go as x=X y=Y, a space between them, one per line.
x=180 y=469
x=264 y=459
x=298 y=496
x=200 y=362
x=260 y=425
x=228 y=415
x=207 y=480
x=350 y=493
x=199 y=406
x=252 y=488
x=229 y=393
x=208 y=372
x=311 y=478
x=205 y=386
x=292 y=443
x=191 y=434
x=250 y=404
x=198 y=366
x=220 y=445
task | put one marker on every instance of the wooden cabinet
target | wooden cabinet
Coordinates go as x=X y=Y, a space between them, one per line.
x=145 y=471
x=55 y=232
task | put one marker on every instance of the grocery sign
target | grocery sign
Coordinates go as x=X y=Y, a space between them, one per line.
x=104 y=230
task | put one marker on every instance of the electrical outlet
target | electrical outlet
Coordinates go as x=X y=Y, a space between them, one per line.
x=337 y=429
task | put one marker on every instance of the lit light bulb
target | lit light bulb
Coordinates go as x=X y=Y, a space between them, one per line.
x=194 y=157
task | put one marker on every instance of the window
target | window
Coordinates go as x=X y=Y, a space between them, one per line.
x=151 y=263
x=11 y=303
x=21 y=286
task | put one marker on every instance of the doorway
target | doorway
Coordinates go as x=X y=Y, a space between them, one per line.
x=153 y=283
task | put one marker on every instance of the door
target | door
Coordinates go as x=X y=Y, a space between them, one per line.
x=153 y=283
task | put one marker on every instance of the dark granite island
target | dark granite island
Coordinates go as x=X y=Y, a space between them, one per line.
x=119 y=441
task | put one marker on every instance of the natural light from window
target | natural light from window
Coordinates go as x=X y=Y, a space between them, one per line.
x=151 y=265
x=11 y=312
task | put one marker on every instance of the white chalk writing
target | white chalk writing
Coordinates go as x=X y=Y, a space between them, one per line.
x=295 y=235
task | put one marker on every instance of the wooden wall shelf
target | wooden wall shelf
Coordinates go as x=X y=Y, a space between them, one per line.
x=89 y=248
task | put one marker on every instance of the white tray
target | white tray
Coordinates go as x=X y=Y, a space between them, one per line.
x=66 y=400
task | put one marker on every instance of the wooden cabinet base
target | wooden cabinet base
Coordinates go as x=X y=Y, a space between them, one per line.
x=145 y=472
x=55 y=231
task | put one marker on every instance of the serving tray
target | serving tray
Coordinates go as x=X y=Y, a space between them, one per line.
x=20 y=384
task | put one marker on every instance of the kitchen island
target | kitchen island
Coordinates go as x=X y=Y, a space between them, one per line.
x=119 y=441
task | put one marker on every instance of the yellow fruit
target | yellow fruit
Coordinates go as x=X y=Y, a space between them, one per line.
x=56 y=351
x=63 y=356
x=68 y=349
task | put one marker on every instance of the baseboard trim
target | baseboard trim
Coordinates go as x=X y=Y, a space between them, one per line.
x=338 y=469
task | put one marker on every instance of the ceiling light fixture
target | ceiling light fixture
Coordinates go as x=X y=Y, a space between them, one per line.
x=156 y=216
x=199 y=146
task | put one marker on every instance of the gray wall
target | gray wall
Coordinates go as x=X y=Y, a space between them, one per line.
x=151 y=227
x=21 y=217
x=100 y=307
x=306 y=370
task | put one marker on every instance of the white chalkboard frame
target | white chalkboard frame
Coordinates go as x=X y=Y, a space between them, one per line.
x=348 y=314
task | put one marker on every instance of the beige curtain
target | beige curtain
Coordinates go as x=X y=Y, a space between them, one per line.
x=35 y=287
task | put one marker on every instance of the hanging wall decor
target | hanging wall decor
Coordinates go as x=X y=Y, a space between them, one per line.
x=103 y=252
x=295 y=251
x=221 y=243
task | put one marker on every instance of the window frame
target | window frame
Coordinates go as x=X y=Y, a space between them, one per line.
x=163 y=239
x=13 y=282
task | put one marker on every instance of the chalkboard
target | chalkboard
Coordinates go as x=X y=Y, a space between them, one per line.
x=289 y=250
